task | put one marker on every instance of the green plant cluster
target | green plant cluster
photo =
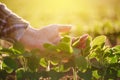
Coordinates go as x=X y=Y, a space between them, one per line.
x=108 y=28
x=82 y=58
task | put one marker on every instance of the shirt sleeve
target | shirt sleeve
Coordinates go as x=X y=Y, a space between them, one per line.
x=12 y=27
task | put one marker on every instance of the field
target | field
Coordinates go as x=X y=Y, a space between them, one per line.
x=91 y=57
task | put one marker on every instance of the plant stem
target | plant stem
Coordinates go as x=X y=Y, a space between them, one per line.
x=48 y=67
x=1 y=65
x=74 y=73
x=23 y=61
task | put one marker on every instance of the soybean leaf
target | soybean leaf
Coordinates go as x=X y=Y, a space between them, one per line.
x=27 y=54
x=76 y=42
x=76 y=51
x=87 y=75
x=6 y=68
x=43 y=62
x=95 y=63
x=81 y=62
x=116 y=50
x=50 y=47
x=111 y=74
x=33 y=62
x=60 y=68
x=20 y=74
x=44 y=74
x=113 y=59
x=118 y=73
x=65 y=45
x=7 y=51
x=18 y=46
x=28 y=75
x=86 y=50
x=95 y=74
x=70 y=63
x=3 y=74
x=98 y=42
x=55 y=75
x=11 y=63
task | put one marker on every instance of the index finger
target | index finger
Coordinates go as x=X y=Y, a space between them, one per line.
x=64 y=28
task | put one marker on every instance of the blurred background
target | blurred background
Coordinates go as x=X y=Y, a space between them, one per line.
x=94 y=17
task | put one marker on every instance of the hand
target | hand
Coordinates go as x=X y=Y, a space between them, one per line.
x=35 y=38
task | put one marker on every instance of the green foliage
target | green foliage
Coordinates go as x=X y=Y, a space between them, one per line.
x=98 y=42
x=89 y=59
x=65 y=45
x=87 y=75
x=10 y=63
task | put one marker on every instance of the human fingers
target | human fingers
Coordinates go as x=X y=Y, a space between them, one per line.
x=57 y=28
x=63 y=28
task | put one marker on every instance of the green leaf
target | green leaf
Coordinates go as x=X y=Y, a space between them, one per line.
x=76 y=51
x=87 y=75
x=50 y=47
x=27 y=54
x=76 y=43
x=10 y=51
x=86 y=50
x=116 y=50
x=69 y=64
x=18 y=46
x=118 y=73
x=81 y=62
x=33 y=62
x=113 y=59
x=11 y=63
x=44 y=74
x=7 y=51
x=20 y=74
x=65 y=45
x=43 y=62
x=8 y=69
x=95 y=74
x=60 y=68
x=111 y=73
x=98 y=42
x=3 y=74
x=66 y=39
x=55 y=75
x=94 y=62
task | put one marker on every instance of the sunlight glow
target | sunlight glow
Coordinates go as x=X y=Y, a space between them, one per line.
x=76 y=12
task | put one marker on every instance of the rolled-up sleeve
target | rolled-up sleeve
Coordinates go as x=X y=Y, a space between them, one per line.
x=12 y=27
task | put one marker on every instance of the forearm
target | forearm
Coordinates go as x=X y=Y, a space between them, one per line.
x=12 y=27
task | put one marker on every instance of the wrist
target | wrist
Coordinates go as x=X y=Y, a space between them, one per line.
x=28 y=38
